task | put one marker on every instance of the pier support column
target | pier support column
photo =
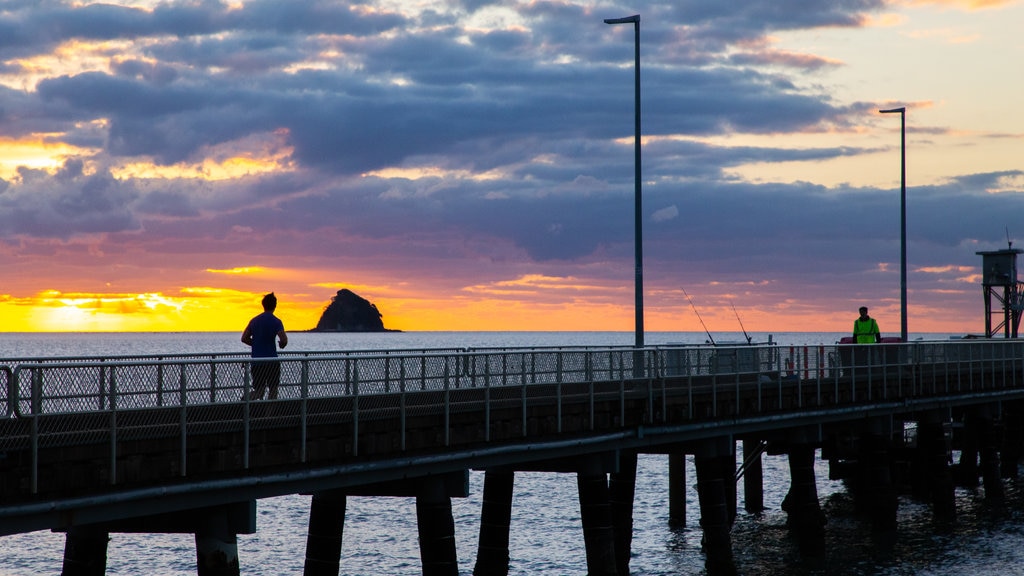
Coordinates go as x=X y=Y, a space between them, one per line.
x=677 y=489
x=85 y=552
x=712 y=492
x=1012 y=445
x=598 y=533
x=878 y=490
x=801 y=503
x=988 y=448
x=436 y=529
x=323 y=541
x=967 y=467
x=728 y=463
x=621 y=491
x=753 y=477
x=933 y=454
x=492 y=556
x=217 y=546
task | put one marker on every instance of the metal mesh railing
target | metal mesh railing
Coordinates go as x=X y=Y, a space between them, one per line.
x=85 y=384
x=70 y=401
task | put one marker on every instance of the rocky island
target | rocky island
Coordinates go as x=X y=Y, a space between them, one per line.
x=350 y=312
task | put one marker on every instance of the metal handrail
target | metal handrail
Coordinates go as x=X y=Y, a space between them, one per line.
x=221 y=376
x=122 y=398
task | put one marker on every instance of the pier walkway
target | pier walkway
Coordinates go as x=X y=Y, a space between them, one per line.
x=94 y=446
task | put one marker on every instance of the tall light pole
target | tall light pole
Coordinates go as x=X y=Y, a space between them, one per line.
x=638 y=247
x=903 y=217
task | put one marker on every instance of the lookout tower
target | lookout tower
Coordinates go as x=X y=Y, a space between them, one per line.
x=999 y=281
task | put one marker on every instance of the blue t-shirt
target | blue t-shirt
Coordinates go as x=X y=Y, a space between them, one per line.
x=264 y=330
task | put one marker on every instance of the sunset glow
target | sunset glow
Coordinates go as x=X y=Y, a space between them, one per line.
x=470 y=166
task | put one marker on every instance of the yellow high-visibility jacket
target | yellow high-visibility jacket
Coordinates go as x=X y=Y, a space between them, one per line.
x=866 y=331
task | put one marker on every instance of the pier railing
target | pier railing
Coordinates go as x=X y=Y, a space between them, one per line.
x=124 y=399
x=71 y=385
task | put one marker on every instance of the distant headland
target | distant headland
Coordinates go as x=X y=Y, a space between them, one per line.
x=350 y=312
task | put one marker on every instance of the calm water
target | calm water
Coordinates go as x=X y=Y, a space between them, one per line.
x=380 y=533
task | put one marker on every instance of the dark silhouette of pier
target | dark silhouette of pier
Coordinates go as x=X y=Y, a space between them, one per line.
x=93 y=447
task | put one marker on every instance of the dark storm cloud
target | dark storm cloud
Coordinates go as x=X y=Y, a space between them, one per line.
x=28 y=26
x=732 y=21
x=66 y=204
x=458 y=94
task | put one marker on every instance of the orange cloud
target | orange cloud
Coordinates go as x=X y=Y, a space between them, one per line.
x=258 y=154
x=242 y=270
x=39 y=151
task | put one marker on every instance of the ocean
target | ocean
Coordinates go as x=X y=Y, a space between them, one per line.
x=546 y=538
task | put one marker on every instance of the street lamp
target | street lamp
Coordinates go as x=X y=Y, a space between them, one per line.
x=903 y=217
x=638 y=250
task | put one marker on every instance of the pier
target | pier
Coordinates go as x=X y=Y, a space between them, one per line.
x=93 y=447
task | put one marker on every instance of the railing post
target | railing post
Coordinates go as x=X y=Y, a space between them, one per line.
x=113 y=427
x=522 y=389
x=487 y=401
x=304 y=409
x=37 y=391
x=622 y=402
x=183 y=420
x=37 y=384
x=160 y=383
x=401 y=411
x=590 y=385
x=348 y=376
x=355 y=408
x=213 y=382
x=689 y=393
x=246 y=418
x=558 y=390
x=447 y=406
x=101 y=398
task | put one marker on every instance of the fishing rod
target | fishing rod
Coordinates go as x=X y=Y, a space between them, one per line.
x=710 y=338
x=740 y=321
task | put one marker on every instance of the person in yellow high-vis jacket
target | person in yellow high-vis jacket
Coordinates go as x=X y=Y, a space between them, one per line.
x=865 y=329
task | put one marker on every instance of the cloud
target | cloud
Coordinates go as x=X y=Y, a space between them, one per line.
x=460 y=138
x=66 y=203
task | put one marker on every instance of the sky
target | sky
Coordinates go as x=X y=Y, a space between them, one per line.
x=469 y=164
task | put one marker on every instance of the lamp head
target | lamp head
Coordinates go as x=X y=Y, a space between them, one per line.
x=901 y=110
x=634 y=19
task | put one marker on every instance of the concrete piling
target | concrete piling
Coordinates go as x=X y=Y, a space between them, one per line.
x=598 y=532
x=967 y=471
x=217 y=546
x=988 y=449
x=753 y=477
x=85 y=552
x=621 y=491
x=1012 y=445
x=495 y=521
x=677 y=489
x=714 y=515
x=879 y=490
x=801 y=503
x=323 y=541
x=933 y=453
x=436 y=529
x=728 y=464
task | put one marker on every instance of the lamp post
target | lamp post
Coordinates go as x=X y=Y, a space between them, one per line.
x=638 y=250
x=903 y=217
